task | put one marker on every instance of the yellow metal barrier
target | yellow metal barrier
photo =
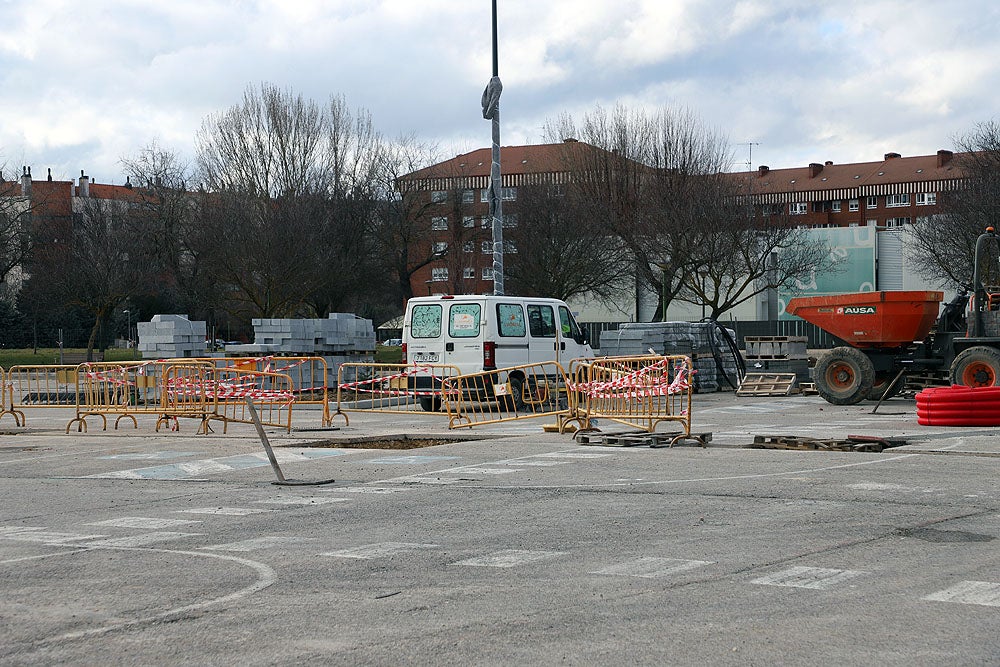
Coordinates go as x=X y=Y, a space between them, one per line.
x=272 y=393
x=637 y=391
x=310 y=376
x=39 y=386
x=519 y=392
x=7 y=400
x=127 y=389
x=390 y=388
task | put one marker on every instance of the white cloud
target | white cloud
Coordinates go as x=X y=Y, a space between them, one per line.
x=87 y=83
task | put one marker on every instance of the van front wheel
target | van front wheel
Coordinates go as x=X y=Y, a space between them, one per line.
x=430 y=403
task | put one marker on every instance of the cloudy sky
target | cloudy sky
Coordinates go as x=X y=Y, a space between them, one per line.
x=83 y=84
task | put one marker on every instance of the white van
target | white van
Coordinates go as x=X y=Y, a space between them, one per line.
x=484 y=333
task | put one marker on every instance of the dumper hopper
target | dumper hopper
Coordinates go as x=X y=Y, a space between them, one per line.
x=871 y=320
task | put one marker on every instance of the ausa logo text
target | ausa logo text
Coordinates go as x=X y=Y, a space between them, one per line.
x=856 y=310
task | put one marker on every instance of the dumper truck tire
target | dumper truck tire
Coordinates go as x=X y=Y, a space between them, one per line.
x=844 y=376
x=977 y=366
x=881 y=383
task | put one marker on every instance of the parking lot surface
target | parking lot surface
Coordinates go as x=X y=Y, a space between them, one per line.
x=503 y=544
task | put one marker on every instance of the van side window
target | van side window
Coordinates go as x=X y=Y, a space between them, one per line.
x=570 y=329
x=541 y=321
x=463 y=320
x=426 y=321
x=510 y=317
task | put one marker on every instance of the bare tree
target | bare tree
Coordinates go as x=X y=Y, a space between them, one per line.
x=660 y=184
x=557 y=249
x=289 y=187
x=943 y=246
x=16 y=213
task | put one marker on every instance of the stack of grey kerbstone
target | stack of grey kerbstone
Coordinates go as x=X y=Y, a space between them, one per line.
x=702 y=341
x=171 y=336
x=338 y=334
x=778 y=354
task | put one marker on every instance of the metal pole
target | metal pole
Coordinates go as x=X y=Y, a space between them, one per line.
x=491 y=110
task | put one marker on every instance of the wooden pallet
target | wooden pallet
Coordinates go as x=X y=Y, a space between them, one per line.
x=808 y=389
x=639 y=439
x=768 y=384
x=853 y=443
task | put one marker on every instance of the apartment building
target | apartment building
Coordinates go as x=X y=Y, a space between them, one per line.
x=883 y=197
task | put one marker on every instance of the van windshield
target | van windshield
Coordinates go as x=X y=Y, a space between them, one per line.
x=426 y=321
x=463 y=320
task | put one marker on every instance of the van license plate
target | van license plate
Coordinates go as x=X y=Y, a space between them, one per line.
x=426 y=357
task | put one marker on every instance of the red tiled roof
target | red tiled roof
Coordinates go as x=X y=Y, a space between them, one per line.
x=532 y=159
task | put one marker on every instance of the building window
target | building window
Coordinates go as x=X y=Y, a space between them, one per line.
x=798 y=208
x=468 y=221
x=510 y=220
x=508 y=194
x=440 y=248
x=484 y=195
x=468 y=196
x=852 y=204
x=509 y=248
x=469 y=246
x=439 y=223
x=487 y=222
x=871 y=223
x=439 y=275
x=836 y=206
x=926 y=198
x=872 y=202
x=469 y=272
x=895 y=201
x=897 y=222
x=487 y=247
x=487 y=273
x=439 y=196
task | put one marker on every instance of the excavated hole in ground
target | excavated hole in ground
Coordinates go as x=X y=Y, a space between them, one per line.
x=388 y=442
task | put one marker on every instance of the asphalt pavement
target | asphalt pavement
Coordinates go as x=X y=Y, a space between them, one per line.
x=504 y=544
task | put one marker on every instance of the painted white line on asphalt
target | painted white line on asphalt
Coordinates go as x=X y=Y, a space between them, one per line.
x=538 y=464
x=225 y=511
x=302 y=500
x=378 y=550
x=363 y=489
x=257 y=543
x=480 y=471
x=817 y=578
x=141 y=540
x=142 y=522
x=876 y=486
x=571 y=455
x=4 y=530
x=50 y=538
x=424 y=480
x=510 y=558
x=984 y=593
x=265 y=577
x=651 y=567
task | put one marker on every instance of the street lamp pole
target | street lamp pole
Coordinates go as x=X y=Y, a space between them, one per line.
x=491 y=111
x=128 y=328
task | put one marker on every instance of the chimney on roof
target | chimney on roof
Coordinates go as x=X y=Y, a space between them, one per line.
x=569 y=140
x=814 y=169
x=26 y=181
x=944 y=157
x=762 y=170
x=49 y=179
x=128 y=182
x=829 y=163
x=84 y=188
x=890 y=156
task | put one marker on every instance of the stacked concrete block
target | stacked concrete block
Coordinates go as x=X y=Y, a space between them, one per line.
x=703 y=341
x=171 y=336
x=338 y=334
x=778 y=354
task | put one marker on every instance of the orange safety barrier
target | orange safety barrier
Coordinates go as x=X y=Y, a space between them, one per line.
x=518 y=392
x=390 y=388
x=273 y=394
x=39 y=386
x=127 y=389
x=640 y=391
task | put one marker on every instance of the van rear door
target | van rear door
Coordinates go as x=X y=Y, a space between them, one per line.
x=424 y=334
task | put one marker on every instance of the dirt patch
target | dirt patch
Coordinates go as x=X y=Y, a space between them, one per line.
x=379 y=443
